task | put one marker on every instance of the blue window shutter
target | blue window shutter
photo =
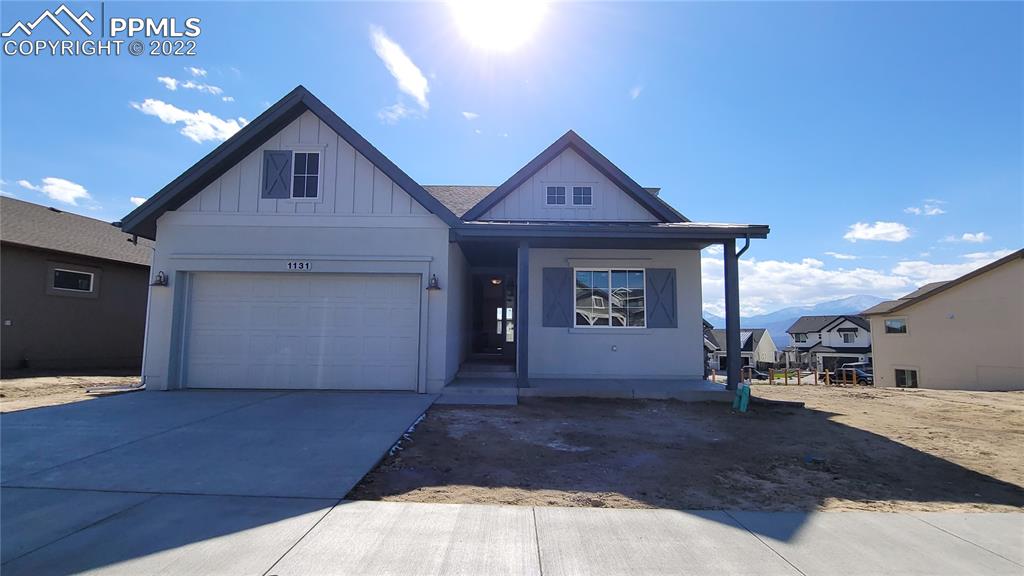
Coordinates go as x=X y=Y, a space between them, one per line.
x=277 y=174
x=660 y=295
x=558 y=298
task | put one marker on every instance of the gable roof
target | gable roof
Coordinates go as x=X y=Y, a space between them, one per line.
x=643 y=196
x=142 y=220
x=929 y=290
x=36 y=226
x=750 y=338
x=859 y=321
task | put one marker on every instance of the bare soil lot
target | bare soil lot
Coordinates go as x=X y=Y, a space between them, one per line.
x=36 y=390
x=848 y=449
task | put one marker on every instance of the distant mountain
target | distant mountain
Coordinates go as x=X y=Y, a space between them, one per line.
x=777 y=322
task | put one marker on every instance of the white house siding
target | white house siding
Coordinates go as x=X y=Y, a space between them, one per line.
x=459 y=310
x=640 y=352
x=364 y=224
x=833 y=338
x=968 y=337
x=528 y=201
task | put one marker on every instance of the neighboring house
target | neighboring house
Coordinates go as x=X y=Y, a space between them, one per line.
x=299 y=256
x=756 y=349
x=964 y=334
x=828 y=342
x=710 y=346
x=74 y=290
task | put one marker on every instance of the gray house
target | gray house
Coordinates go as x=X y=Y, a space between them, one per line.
x=74 y=290
x=299 y=256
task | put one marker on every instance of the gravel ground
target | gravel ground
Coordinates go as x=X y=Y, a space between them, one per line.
x=34 y=391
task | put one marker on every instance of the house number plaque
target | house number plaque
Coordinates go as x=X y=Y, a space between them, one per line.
x=299 y=265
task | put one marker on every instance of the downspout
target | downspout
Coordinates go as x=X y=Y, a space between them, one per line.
x=746 y=244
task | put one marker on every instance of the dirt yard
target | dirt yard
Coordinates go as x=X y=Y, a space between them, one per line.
x=848 y=449
x=34 y=391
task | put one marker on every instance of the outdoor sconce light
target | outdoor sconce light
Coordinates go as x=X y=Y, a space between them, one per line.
x=160 y=280
x=433 y=285
x=496 y=281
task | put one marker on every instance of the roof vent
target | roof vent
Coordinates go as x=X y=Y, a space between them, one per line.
x=52 y=209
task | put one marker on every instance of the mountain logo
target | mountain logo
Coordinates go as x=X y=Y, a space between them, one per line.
x=28 y=28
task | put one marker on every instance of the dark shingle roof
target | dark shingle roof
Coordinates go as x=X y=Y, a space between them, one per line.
x=29 y=224
x=753 y=338
x=929 y=290
x=459 y=199
x=807 y=324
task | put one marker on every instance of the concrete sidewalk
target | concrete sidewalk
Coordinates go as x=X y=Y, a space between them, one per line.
x=117 y=533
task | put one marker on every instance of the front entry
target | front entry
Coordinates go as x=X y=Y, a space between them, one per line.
x=494 y=314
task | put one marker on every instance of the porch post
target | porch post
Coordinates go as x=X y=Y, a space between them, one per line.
x=523 y=314
x=732 y=315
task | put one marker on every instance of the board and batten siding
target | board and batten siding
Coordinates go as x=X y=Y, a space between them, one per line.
x=349 y=183
x=528 y=201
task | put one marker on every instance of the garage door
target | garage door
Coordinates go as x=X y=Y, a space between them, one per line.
x=303 y=331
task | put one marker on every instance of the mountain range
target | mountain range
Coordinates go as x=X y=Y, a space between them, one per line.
x=777 y=322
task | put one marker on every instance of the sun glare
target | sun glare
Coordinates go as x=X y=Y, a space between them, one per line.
x=498 y=25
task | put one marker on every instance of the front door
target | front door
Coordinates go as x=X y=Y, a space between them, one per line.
x=494 y=316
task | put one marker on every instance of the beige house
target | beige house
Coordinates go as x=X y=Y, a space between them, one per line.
x=964 y=334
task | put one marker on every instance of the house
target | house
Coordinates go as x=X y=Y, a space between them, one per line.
x=74 y=290
x=964 y=334
x=299 y=256
x=828 y=342
x=756 y=349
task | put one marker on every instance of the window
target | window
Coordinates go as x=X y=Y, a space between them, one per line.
x=849 y=337
x=306 y=175
x=896 y=326
x=556 y=195
x=906 y=378
x=71 y=280
x=800 y=337
x=582 y=196
x=610 y=298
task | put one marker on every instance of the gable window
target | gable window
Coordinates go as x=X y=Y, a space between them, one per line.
x=610 y=297
x=800 y=337
x=849 y=337
x=306 y=175
x=71 y=280
x=896 y=326
x=906 y=378
x=582 y=196
x=556 y=195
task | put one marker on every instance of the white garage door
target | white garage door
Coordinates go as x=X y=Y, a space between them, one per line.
x=304 y=331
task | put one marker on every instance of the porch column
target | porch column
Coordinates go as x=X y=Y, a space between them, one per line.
x=523 y=314
x=732 y=315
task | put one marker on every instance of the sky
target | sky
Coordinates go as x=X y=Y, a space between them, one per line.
x=882 y=142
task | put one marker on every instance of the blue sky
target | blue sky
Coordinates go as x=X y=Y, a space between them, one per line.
x=881 y=142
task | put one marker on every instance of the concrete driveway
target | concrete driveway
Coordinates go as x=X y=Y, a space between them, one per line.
x=176 y=470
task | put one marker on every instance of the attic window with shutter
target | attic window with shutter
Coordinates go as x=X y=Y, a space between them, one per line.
x=291 y=174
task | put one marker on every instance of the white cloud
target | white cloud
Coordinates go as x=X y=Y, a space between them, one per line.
x=990 y=256
x=470 y=115
x=635 y=91
x=408 y=76
x=841 y=256
x=969 y=237
x=196 y=72
x=477 y=131
x=137 y=200
x=396 y=112
x=768 y=285
x=883 y=231
x=199 y=126
x=228 y=99
x=168 y=82
x=4 y=191
x=59 y=189
x=714 y=249
x=173 y=84
x=930 y=208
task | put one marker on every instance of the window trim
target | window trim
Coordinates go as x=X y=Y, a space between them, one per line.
x=319 y=151
x=796 y=338
x=906 y=326
x=588 y=186
x=852 y=335
x=610 y=326
x=91 y=275
x=547 y=195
